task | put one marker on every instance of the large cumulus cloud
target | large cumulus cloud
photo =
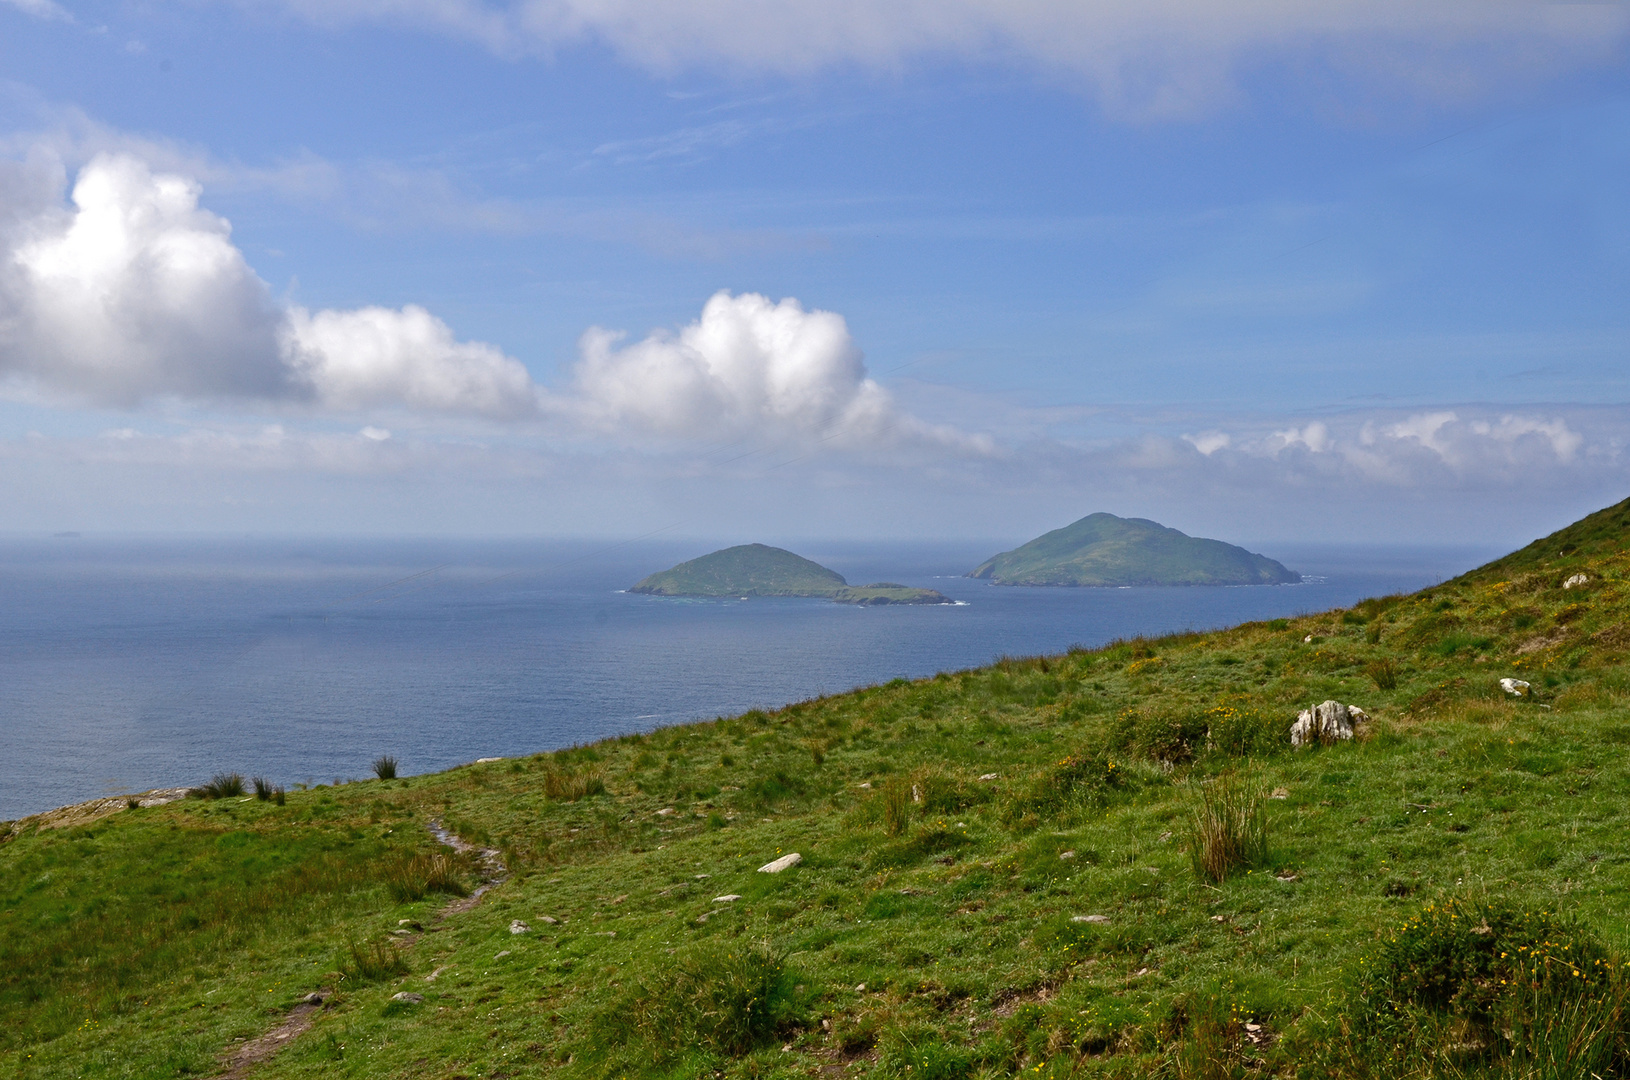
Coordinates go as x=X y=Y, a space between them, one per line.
x=133 y=291
x=747 y=367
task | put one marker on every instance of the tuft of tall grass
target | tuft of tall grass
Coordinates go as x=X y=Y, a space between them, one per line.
x=417 y=877
x=1384 y=672
x=263 y=788
x=220 y=786
x=372 y=961
x=385 y=767
x=726 y=997
x=896 y=798
x=570 y=785
x=1228 y=827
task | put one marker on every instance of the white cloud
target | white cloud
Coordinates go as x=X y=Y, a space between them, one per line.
x=748 y=367
x=43 y=9
x=1144 y=58
x=135 y=292
x=371 y=357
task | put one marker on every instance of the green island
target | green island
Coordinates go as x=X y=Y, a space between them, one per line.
x=1109 y=862
x=1108 y=551
x=761 y=570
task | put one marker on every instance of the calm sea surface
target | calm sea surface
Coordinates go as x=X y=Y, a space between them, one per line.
x=132 y=664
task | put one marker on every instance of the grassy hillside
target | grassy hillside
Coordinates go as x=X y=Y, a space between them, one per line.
x=1106 y=863
x=1105 y=550
x=745 y=570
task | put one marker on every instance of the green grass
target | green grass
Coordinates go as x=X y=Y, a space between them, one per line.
x=932 y=928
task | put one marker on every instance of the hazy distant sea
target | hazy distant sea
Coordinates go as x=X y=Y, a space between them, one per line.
x=131 y=664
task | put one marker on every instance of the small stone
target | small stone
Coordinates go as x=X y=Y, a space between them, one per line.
x=550 y=919
x=409 y=922
x=1089 y=918
x=1139 y=972
x=778 y=865
x=1286 y=878
x=861 y=989
x=1066 y=854
x=519 y=927
x=313 y=999
x=727 y=898
x=1308 y=640
x=1575 y=580
x=409 y=997
x=989 y=776
x=1219 y=918
x=1515 y=687
x=487 y=760
x=667 y=811
x=401 y=933
x=703 y=877
x=916 y=793
x=1280 y=793
x=501 y=954
x=868 y=787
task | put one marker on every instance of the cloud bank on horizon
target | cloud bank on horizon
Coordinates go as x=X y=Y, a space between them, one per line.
x=1159 y=59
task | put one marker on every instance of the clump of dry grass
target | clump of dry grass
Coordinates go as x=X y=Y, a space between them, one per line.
x=421 y=875
x=896 y=806
x=1228 y=826
x=570 y=785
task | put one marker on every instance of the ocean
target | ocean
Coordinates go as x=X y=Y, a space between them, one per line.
x=133 y=663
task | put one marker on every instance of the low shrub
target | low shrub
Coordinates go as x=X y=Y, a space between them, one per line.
x=385 y=767
x=1160 y=736
x=723 y=998
x=1241 y=731
x=434 y=872
x=1488 y=985
x=1228 y=827
x=1074 y=783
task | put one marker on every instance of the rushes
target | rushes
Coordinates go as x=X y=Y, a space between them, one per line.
x=372 y=961
x=385 y=767
x=1228 y=828
x=220 y=786
x=570 y=785
x=896 y=806
x=1384 y=672
x=421 y=875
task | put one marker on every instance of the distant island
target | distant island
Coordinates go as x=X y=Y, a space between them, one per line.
x=1108 y=551
x=761 y=570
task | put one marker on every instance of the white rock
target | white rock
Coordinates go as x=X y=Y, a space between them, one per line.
x=727 y=898
x=792 y=859
x=989 y=776
x=1325 y=722
x=519 y=927
x=1515 y=687
x=1090 y=918
x=667 y=811
x=1307 y=640
x=410 y=998
x=501 y=954
x=487 y=760
x=1066 y=854
x=916 y=793
x=550 y=919
x=1577 y=579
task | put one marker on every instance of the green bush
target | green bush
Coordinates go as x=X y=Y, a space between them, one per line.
x=1240 y=731
x=1487 y=984
x=1073 y=783
x=1159 y=736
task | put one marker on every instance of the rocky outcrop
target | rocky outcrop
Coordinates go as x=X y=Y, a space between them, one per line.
x=1326 y=722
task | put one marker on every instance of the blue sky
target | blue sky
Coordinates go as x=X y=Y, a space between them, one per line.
x=886 y=268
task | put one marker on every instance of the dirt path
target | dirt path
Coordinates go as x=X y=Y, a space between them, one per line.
x=242 y=1059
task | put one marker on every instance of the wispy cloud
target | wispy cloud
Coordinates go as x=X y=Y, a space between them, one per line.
x=41 y=9
x=1148 y=60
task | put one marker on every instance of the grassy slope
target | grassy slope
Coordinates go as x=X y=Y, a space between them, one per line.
x=959 y=927
x=1105 y=550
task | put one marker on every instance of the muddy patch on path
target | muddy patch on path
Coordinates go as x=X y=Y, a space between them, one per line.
x=242 y=1059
